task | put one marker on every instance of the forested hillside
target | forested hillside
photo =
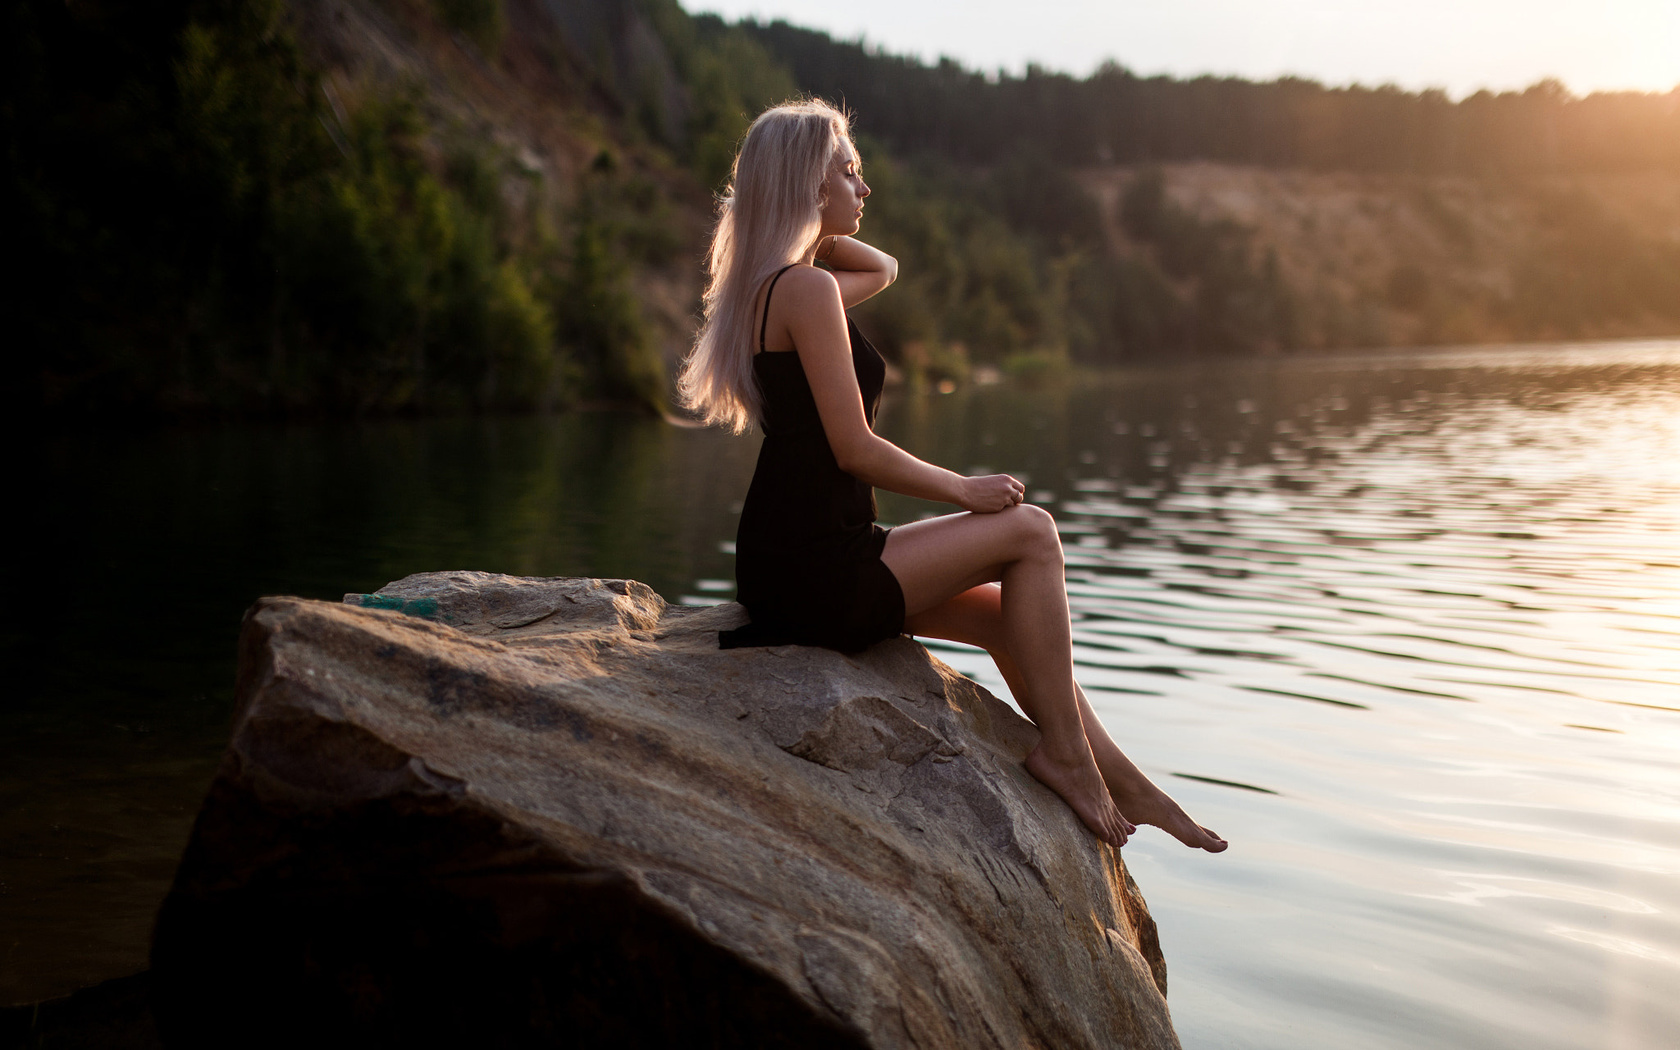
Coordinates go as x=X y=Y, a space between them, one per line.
x=369 y=206
x=360 y=205
x=1117 y=117
x=1116 y=217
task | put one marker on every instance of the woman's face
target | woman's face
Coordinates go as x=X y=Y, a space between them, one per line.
x=843 y=194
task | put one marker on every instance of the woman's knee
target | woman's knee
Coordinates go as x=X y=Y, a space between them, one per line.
x=1037 y=530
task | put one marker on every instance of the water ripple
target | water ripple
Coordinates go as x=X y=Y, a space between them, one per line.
x=1422 y=615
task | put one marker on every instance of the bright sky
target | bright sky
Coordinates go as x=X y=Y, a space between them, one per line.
x=1459 y=45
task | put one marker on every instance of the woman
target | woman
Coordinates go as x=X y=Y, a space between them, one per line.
x=778 y=350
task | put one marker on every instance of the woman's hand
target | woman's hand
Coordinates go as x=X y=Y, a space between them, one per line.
x=991 y=493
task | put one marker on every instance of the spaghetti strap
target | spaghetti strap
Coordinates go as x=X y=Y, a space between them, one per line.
x=765 y=323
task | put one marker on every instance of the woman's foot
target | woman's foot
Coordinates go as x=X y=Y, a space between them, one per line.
x=1081 y=785
x=1141 y=801
x=1154 y=806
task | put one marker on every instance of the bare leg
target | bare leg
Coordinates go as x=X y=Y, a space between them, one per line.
x=938 y=559
x=975 y=617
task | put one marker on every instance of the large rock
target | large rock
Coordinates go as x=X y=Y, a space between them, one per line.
x=553 y=812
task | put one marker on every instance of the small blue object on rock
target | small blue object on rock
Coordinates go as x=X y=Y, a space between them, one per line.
x=425 y=608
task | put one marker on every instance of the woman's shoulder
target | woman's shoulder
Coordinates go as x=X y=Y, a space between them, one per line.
x=805 y=311
x=807 y=285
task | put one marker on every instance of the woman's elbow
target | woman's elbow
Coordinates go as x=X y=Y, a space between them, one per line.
x=890 y=271
x=853 y=457
x=850 y=462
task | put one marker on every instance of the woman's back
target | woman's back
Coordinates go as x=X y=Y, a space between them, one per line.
x=805 y=520
x=798 y=491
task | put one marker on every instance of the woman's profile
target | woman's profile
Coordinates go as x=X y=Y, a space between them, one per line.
x=777 y=350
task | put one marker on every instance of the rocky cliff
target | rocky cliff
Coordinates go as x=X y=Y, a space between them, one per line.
x=500 y=811
x=1391 y=259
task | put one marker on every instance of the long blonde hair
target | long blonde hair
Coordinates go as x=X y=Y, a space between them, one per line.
x=769 y=216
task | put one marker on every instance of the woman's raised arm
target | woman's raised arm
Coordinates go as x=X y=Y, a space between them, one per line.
x=816 y=321
x=860 y=269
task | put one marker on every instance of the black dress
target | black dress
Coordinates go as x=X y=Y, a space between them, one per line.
x=808 y=552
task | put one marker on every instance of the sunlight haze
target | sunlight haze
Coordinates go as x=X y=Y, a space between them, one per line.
x=1461 y=47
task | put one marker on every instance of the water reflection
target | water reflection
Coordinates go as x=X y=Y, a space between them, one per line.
x=1423 y=613
x=1403 y=629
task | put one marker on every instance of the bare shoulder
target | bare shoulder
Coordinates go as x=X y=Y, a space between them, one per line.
x=808 y=288
x=807 y=313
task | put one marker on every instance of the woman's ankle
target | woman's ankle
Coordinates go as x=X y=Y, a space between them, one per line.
x=1069 y=752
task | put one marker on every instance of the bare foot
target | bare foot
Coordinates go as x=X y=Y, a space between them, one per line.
x=1140 y=800
x=1080 y=783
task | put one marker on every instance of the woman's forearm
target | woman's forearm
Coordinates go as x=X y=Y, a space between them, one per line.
x=860 y=270
x=853 y=256
x=881 y=463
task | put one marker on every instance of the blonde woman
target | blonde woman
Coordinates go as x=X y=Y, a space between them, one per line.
x=778 y=351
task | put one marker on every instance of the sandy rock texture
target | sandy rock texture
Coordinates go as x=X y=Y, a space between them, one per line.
x=482 y=810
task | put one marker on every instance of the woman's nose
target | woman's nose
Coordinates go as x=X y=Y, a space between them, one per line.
x=864 y=192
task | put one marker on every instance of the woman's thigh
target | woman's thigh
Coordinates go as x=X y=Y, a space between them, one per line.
x=937 y=559
x=974 y=617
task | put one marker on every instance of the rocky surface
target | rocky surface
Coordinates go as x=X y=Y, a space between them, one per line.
x=112 y=1015
x=501 y=811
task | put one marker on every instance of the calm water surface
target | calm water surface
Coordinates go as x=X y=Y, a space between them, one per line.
x=1403 y=629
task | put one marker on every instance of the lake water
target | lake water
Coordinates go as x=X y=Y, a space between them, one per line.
x=1403 y=628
